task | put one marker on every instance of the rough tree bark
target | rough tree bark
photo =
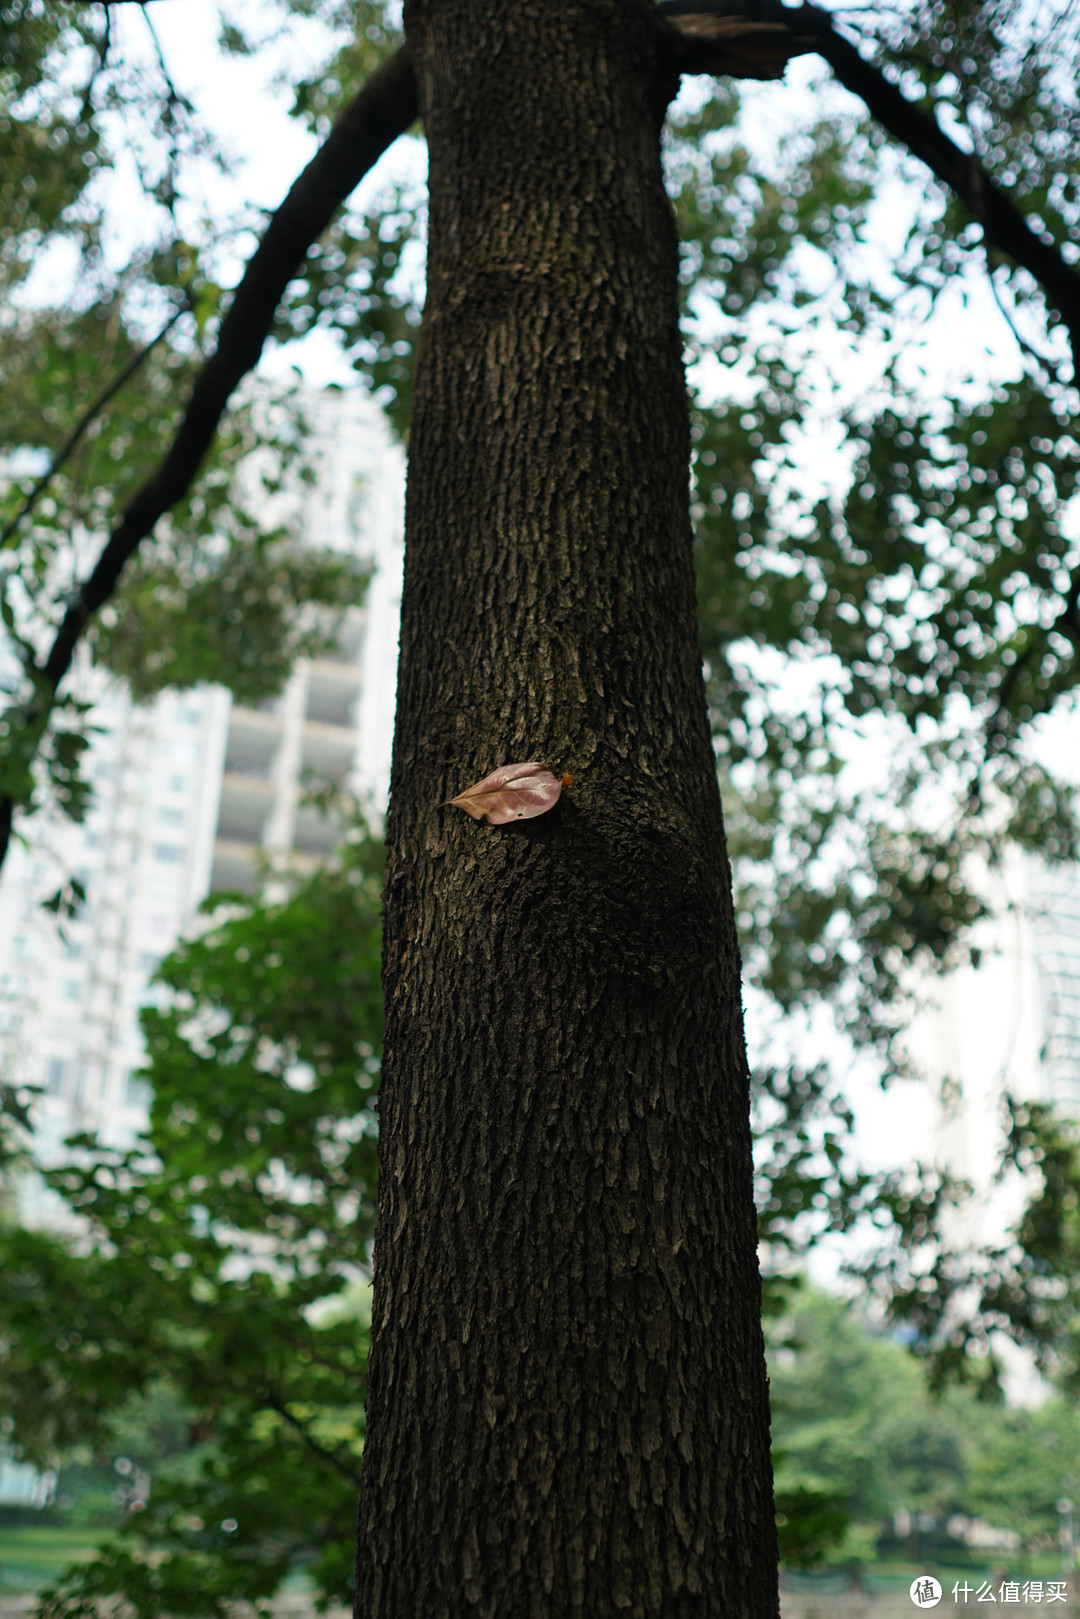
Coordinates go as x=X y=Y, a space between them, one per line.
x=567 y=1405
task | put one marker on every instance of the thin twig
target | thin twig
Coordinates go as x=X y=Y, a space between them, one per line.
x=104 y=44
x=351 y=1475
x=1047 y=367
x=1067 y=623
x=173 y=100
x=174 y=95
x=86 y=420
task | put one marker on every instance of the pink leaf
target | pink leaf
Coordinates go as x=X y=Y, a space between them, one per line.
x=513 y=793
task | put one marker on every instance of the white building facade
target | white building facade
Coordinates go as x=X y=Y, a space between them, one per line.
x=1009 y=1025
x=195 y=794
x=1056 y=936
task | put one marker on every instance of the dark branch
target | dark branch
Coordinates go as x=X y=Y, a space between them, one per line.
x=1003 y=224
x=808 y=28
x=373 y=120
x=732 y=38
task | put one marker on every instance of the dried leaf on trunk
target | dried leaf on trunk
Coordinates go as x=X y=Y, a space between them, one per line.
x=514 y=793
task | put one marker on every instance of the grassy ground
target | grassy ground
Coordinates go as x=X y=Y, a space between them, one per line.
x=30 y=1557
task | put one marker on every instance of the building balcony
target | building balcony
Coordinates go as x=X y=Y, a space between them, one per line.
x=234 y=869
x=333 y=689
x=246 y=803
x=328 y=751
x=253 y=742
x=316 y=833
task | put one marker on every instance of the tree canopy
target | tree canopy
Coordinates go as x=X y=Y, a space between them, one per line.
x=931 y=579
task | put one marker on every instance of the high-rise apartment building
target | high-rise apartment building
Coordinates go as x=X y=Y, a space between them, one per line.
x=1006 y=1026
x=1056 y=933
x=194 y=793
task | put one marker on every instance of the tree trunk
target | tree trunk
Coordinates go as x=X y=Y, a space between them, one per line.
x=567 y=1406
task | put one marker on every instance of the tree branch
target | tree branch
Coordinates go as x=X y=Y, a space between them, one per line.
x=806 y=28
x=373 y=120
x=351 y=1475
x=732 y=37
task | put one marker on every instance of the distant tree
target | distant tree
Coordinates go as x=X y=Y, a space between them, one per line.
x=1023 y=1462
x=852 y=1416
x=856 y=1424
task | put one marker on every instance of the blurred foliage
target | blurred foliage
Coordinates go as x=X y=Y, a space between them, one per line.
x=1004 y=77
x=928 y=597
x=852 y=1414
x=890 y=567
x=956 y=1303
x=1022 y=1463
x=178 y=619
x=360 y=286
x=857 y=1430
x=219 y=595
x=217 y=1290
x=805 y=1183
